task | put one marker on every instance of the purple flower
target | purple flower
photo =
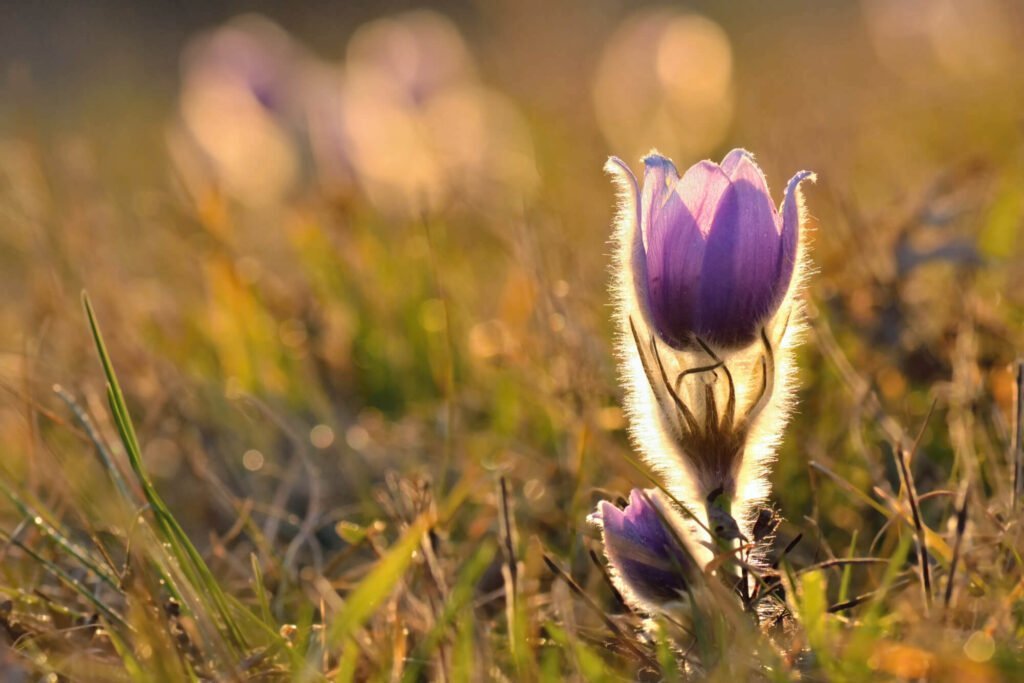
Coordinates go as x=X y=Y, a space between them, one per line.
x=648 y=561
x=250 y=53
x=719 y=256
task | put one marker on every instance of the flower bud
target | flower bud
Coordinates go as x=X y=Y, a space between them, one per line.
x=648 y=561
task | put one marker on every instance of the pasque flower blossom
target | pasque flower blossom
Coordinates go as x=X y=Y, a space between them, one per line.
x=706 y=276
x=719 y=256
x=648 y=561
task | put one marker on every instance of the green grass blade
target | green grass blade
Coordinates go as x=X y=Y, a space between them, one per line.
x=844 y=583
x=260 y=589
x=461 y=595
x=50 y=531
x=377 y=585
x=189 y=559
x=68 y=580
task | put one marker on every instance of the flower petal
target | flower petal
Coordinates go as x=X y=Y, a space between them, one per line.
x=701 y=189
x=675 y=250
x=674 y=255
x=740 y=265
x=660 y=175
x=623 y=177
x=733 y=158
x=790 y=211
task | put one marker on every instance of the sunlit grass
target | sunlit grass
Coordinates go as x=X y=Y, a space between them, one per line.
x=346 y=427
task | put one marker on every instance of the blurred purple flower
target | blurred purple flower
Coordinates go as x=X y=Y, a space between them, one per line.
x=419 y=53
x=252 y=54
x=719 y=256
x=647 y=560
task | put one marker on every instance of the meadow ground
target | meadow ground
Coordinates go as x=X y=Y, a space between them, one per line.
x=340 y=394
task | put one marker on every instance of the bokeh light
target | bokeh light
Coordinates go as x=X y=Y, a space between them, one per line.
x=665 y=80
x=918 y=38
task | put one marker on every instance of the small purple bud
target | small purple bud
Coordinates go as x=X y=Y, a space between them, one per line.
x=647 y=560
x=719 y=255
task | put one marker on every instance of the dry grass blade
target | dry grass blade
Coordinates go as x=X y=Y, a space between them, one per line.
x=1018 y=432
x=922 y=543
x=858 y=386
x=842 y=562
x=616 y=630
x=508 y=542
x=510 y=572
x=961 y=526
x=788 y=549
x=596 y=561
x=106 y=457
x=865 y=597
x=851 y=489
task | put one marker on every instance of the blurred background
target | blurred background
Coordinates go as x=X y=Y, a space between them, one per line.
x=338 y=240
